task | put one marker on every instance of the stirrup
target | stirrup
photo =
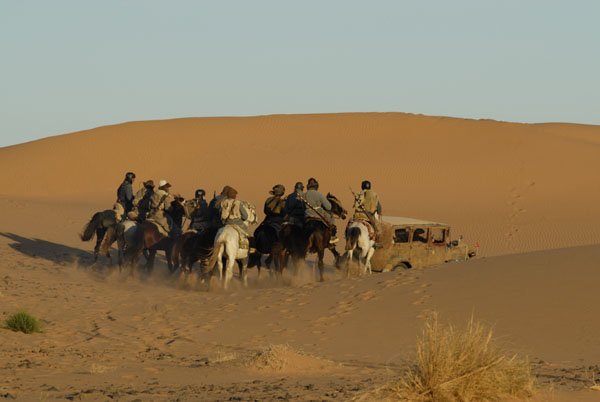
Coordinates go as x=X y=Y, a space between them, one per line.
x=333 y=240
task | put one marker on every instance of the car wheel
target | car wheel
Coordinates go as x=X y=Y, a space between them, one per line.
x=400 y=265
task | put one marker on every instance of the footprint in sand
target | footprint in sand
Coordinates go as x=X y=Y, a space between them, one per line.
x=367 y=295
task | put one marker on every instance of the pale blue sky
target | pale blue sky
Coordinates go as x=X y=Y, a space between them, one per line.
x=72 y=65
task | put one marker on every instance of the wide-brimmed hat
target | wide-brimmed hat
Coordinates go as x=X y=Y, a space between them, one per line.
x=231 y=192
x=278 y=189
x=148 y=183
x=312 y=183
x=225 y=190
x=163 y=183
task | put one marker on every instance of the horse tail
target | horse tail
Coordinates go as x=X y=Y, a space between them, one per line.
x=90 y=228
x=214 y=256
x=352 y=235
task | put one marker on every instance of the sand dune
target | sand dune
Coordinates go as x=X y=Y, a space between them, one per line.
x=510 y=187
x=526 y=193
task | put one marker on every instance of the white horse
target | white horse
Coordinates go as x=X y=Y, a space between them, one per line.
x=227 y=243
x=357 y=236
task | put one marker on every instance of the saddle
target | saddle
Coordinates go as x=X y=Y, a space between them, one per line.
x=244 y=241
x=368 y=225
x=161 y=229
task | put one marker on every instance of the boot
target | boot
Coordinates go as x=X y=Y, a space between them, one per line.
x=334 y=239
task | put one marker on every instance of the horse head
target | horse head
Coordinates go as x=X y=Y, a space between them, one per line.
x=336 y=206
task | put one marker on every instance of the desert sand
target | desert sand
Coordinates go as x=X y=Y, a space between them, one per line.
x=527 y=194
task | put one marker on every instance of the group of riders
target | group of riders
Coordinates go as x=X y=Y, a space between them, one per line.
x=168 y=211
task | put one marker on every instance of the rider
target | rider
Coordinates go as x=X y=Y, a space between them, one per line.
x=160 y=205
x=199 y=216
x=125 y=192
x=231 y=211
x=318 y=207
x=275 y=208
x=294 y=206
x=214 y=208
x=367 y=206
x=141 y=201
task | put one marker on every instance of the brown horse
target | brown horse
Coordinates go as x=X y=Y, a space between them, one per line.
x=192 y=247
x=314 y=237
x=98 y=225
x=137 y=238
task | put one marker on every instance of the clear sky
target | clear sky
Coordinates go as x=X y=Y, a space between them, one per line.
x=73 y=65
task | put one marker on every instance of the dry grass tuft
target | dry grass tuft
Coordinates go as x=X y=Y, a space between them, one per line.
x=223 y=356
x=454 y=365
x=275 y=357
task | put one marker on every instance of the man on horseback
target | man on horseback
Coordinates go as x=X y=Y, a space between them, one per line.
x=125 y=192
x=318 y=207
x=275 y=208
x=199 y=216
x=294 y=206
x=160 y=205
x=141 y=202
x=214 y=208
x=231 y=211
x=367 y=207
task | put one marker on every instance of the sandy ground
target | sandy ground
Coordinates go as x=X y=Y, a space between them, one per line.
x=527 y=193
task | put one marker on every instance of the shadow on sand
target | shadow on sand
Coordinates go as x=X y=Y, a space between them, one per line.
x=57 y=253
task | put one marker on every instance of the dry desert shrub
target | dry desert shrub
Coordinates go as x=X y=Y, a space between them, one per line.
x=275 y=357
x=283 y=358
x=223 y=356
x=24 y=322
x=459 y=365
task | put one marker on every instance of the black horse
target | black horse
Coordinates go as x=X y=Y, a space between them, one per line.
x=265 y=242
x=314 y=237
x=98 y=225
x=192 y=247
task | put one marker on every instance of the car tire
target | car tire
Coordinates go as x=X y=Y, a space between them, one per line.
x=401 y=266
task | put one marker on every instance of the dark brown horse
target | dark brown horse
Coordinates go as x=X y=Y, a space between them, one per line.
x=135 y=239
x=192 y=247
x=265 y=242
x=314 y=237
x=98 y=225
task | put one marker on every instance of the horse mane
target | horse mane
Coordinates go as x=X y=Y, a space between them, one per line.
x=334 y=200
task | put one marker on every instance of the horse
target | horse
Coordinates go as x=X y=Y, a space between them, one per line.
x=227 y=244
x=193 y=246
x=135 y=238
x=265 y=242
x=98 y=225
x=313 y=238
x=357 y=237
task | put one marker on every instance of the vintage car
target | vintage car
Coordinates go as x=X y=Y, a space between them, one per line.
x=414 y=243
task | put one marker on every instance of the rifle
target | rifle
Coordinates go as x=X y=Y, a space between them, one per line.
x=325 y=220
x=359 y=204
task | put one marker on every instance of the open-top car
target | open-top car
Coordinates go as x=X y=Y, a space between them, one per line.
x=414 y=243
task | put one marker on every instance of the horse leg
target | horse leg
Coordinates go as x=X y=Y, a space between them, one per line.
x=150 y=261
x=361 y=265
x=242 y=265
x=368 y=259
x=100 y=231
x=321 y=254
x=229 y=270
x=176 y=255
x=169 y=257
x=336 y=255
x=349 y=255
x=220 y=263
